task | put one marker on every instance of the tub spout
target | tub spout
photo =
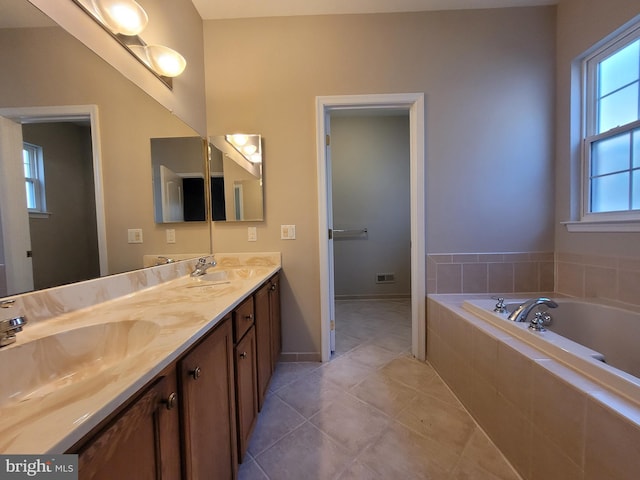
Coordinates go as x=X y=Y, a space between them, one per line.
x=521 y=313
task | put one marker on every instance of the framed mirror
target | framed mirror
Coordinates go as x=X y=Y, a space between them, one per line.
x=179 y=179
x=235 y=168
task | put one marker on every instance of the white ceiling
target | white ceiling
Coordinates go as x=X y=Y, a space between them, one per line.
x=217 y=9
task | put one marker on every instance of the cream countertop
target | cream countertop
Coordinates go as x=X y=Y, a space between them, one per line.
x=148 y=329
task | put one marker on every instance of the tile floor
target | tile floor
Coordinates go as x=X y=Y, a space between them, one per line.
x=372 y=412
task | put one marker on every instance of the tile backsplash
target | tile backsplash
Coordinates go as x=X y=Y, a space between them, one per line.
x=490 y=272
x=608 y=277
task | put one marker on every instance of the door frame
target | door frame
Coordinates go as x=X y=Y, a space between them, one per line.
x=413 y=103
x=68 y=113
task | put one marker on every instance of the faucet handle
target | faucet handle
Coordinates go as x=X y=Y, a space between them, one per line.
x=7 y=303
x=500 y=307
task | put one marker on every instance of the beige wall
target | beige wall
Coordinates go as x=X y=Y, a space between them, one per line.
x=488 y=79
x=581 y=25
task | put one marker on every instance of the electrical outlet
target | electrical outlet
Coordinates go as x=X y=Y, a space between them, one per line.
x=134 y=235
x=252 y=234
x=287 y=232
x=171 y=235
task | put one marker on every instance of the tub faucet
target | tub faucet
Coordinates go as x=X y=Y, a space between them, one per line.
x=8 y=329
x=520 y=314
x=202 y=266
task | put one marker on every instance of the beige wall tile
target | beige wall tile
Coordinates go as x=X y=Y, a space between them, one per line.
x=551 y=463
x=449 y=278
x=558 y=411
x=465 y=258
x=501 y=277
x=474 y=278
x=526 y=277
x=629 y=286
x=547 y=276
x=600 y=282
x=570 y=279
x=612 y=445
x=485 y=355
x=514 y=436
x=514 y=377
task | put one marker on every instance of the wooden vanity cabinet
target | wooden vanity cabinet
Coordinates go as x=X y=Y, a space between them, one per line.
x=206 y=377
x=268 y=333
x=141 y=442
x=246 y=373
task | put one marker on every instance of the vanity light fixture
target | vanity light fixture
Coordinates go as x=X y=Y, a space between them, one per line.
x=125 y=20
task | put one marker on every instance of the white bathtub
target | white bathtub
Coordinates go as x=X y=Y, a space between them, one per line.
x=601 y=341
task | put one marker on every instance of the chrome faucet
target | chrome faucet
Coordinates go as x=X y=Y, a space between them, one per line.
x=202 y=266
x=521 y=313
x=9 y=328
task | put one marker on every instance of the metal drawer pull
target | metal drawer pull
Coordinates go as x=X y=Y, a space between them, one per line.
x=171 y=401
x=195 y=373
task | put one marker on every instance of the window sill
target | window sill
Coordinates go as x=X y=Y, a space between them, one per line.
x=40 y=214
x=603 y=226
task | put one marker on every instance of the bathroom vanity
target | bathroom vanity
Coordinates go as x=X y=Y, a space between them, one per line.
x=178 y=395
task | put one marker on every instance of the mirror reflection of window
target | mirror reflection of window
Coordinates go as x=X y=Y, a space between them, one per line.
x=34 y=177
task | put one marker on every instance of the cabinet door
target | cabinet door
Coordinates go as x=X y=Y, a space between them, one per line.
x=208 y=407
x=141 y=443
x=274 y=314
x=246 y=389
x=263 y=341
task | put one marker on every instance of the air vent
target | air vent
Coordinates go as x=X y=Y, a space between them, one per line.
x=385 y=277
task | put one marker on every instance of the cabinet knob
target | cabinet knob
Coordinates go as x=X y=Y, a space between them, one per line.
x=243 y=355
x=171 y=401
x=195 y=373
x=249 y=317
x=273 y=287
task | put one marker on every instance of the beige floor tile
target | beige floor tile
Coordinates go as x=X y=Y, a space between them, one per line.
x=358 y=471
x=351 y=422
x=393 y=343
x=287 y=372
x=384 y=393
x=410 y=371
x=275 y=420
x=345 y=342
x=401 y=453
x=345 y=372
x=304 y=453
x=249 y=470
x=480 y=455
x=370 y=355
x=432 y=418
x=310 y=394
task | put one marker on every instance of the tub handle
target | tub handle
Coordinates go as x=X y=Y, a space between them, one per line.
x=539 y=321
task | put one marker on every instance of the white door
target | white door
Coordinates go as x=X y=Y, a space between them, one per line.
x=172 y=199
x=14 y=216
x=332 y=293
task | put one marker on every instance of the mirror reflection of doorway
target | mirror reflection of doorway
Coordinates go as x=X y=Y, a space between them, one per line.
x=62 y=229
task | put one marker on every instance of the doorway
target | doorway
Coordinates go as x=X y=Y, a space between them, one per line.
x=413 y=105
x=81 y=220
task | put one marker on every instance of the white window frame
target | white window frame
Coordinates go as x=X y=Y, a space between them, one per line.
x=627 y=220
x=37 y=161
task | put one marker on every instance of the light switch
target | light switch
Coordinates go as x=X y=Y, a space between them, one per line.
x=287 y=232
x=171 y=235
x=252 y=234
x=134 y=235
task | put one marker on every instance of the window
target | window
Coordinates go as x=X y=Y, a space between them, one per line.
x=611 y=185
x=34 y=177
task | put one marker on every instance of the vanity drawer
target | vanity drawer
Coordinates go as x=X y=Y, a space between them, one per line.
x=242 y=319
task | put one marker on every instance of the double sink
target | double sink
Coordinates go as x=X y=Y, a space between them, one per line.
x=68 y=373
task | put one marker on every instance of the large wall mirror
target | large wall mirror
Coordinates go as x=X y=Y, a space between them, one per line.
x=102 y=162
x=235 y=166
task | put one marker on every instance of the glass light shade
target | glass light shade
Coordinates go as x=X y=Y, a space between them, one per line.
x=239 y=139
x=165 y=61
x=126 y=17
x=249 y=149
x=255 y=158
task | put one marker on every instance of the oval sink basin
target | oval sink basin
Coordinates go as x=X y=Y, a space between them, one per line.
x=215 y=276
x=36 y=368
